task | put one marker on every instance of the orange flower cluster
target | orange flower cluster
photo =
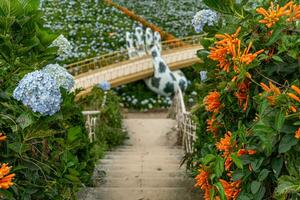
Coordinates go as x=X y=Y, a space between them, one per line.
x=297 y=134
x=294 y=14
x=228 y=51
x=226 y=146
x=212 y=102
x=212 y=125
x=222 y=49
x=245 y=58
x=245 y=152
x=2 y=137
x=5 y=177
x=232 y=189
x=293 y=96
x=203 y=182
x=272 y=91
x=243 y=94
x=272 y=16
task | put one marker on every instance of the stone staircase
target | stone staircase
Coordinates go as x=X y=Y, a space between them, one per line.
x=147 y=167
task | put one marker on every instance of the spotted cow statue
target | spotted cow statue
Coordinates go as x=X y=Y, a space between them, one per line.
x=149 y=40
x=164 y=82
x=130 y=45
x=139 y=42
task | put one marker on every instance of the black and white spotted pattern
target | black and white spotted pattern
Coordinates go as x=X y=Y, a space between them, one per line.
x=164 y=82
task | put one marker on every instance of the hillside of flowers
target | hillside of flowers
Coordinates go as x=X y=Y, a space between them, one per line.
x=45 y=149
x=172 y=15
x=248 y=113
x=92 y=27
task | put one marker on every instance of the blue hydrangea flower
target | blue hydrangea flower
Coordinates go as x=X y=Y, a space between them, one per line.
x=104 y=85
x=62 y=77
x=39 y=91
x=204 y=17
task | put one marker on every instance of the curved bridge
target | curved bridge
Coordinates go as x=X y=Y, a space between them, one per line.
x=118 y=69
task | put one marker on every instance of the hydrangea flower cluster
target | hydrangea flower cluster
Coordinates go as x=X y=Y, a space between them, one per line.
x=204 y=17
x=64 y=46
x=39 y=91
x=104 y=85
x=62 y=77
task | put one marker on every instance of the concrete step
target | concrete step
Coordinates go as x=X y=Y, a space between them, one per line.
x=130 y=174
x=166 y=193
x=139 y=167
x=145 y=161
x=144 y=182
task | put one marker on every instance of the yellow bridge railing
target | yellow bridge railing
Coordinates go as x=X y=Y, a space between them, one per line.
x=121 y=56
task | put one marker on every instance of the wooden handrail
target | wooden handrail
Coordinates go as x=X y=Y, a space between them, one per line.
x=121 y=56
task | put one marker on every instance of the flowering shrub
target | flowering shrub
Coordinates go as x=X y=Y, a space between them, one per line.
x=64 y=46
x=248 y=121
x=92 y=27
x=62 y=77
x=204 y=17
x=51 y=156
x=105 y=86
x=172 y=15
x=40 y=92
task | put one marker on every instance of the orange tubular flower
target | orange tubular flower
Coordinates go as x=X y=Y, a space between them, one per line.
x=232 y=189
x=212 y=125
x=212 y=102
x=296 y=89
x=297 y=134
x=242 y=94
x=203 y=182
x=273 y=15
x=225 y=143
x=272 y=91
x=226 y=146
x=2 y=137
x=251 y=152
x=294 y=14
x=291 y=95
x=242 y=152
x=5 y=177
x=222 y=49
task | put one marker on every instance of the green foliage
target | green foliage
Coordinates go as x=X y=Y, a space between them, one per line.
x=267 y=125
x=52 y=157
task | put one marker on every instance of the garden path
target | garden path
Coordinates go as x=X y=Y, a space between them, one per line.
x=147 y=166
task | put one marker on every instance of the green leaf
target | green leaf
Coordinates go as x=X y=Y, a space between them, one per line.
x=277 y=164
x=279 y=120
x=287 y=185
x=18 y=147
x=277 y=58
x=297 y=123
x=73 y=178
x=262 y=107
x=245 y=197
x=237 y=175
x=286 y=143
x=263 y=174
x=220 y=188
x=255 y=186
x=260 y=194
x=74 y=133
x=208 y=159
x=222 y=6
x=275 y=36
x=25 y=120
x=40 y=134
x=219 y=166
x=255 y=164
x=237 y=161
